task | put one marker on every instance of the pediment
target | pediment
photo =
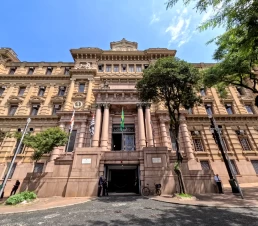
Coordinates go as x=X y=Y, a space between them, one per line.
x=57 y=99
x=36 y=99
x=79 y=96
x=124 y=45
x=15 y=99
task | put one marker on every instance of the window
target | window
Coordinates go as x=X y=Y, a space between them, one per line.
x=123 y=67
x=100 y=67
x=229 y=109
x=116 y=68
x=16 y=146
x=108 y=68
x=173 y=139
x=234 y=168
x=12 y=109
x=49 y=70
x=131 y=68
x=61 y=91
x=245 y=143
x=12 y=171
x=203 y=92
x=41 y=91
x=146 y=66
x=72 y=141
x=225 y=143
x=208 y=108
x=190 y=111
x=81 y=87
x=35 y=109
x=198 y=144
x=67 y=71
x=205 y=165
x=255 y=165
x=57 y=107
x=31 y=70
x=2 y=89
x=38 y=168
x=249 y=109
x=21 y=91
x=12 y=70
x=139 y=68
x=240 y=91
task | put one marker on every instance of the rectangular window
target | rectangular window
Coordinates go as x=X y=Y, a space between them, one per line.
x=198 y=146
x=57 y=107
x=205 y=165
x=173 y=139
x=16 y=146
x=139 y=68
x=244 y=143
x=35 y=109
x=38 y=168
x=234 y=168
x=49 y=70
x=12 y=70
x=225 y=143
x=21 y=91
x=61 y=91
x=2 y=89
x=108 y=68
x=146 y=66
x=240 y=91
x=229 y=109
x=81 y=87
x=116 y=68
x=123 y=67
x=31 y=70
x=208 y=108
x=100 y=67
x=12 y=171
x=72 y=141
x=131 y=68
x=41 y=91
x=203 y=92
x=13 y=109
x=255 y=165
x=249 y=109
x=67 y=71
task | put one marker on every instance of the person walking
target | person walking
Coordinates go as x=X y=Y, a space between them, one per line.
x=218 y=182
x=15 y=187
x=105 y=187
x=100 y=186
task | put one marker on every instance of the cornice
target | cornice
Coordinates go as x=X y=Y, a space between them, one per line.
x=45 y=119
x=224 y=118
x=34 y=77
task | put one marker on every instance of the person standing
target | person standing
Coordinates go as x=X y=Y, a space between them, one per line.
x=15 y=187
x=105 y=187
x=100 y=186
x=218 y=182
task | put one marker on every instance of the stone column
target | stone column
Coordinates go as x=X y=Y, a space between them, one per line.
x=89 y=91
x=104 y=135
x=95 y=138
x=69 y=95
x=141 y=127
x=82 y=134
x=186 y=138
x=163 y=132
x=148 y=126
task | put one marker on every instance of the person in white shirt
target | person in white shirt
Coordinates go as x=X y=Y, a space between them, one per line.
x=218 y=182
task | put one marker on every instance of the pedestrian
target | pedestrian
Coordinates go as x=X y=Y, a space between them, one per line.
x=218 y=182
x=100 y=186
x=15 y=187
x=105 y=187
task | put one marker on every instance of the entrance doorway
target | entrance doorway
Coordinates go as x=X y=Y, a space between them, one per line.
x=122 y=178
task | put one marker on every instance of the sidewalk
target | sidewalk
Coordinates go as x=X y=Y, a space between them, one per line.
x=42 y=204
x=226 y=200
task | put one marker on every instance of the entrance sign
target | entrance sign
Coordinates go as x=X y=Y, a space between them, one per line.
x=86 y=161
x=156 y=160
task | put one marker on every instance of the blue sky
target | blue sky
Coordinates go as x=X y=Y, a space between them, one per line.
x=45 y=30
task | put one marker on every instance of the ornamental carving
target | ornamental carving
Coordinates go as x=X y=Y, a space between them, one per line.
x=79 y=96
x=88 y=65
x=58 y=99
x=36 y=99
x=15 y=99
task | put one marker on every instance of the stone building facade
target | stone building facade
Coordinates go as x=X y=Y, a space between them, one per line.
x=101 y=83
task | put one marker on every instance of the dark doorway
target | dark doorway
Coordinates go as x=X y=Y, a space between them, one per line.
x=122 y=181
x=117 y=142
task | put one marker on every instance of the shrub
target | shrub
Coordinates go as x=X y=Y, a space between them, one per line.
x=18 y=198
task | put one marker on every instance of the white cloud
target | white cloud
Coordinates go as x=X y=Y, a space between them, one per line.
x=154 y=19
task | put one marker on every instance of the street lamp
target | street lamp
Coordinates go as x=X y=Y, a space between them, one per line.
x=216 y=131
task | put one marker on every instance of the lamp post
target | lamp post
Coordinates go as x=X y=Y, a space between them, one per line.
x=14 y=157
x=217 y=137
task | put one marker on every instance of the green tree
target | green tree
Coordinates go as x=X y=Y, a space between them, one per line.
x=44 y=142
x=173 y=82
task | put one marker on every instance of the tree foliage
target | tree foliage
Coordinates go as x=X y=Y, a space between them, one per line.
x=173 y=82
x=44 y=142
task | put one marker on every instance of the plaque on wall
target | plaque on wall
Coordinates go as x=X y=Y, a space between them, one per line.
x=86 y=161
x=156 y=160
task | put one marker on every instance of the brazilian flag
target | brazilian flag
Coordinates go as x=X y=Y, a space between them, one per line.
x=122 y=124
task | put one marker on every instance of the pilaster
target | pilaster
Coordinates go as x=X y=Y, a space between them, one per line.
x=68 y=102
x=141 y=127
x=95 y=138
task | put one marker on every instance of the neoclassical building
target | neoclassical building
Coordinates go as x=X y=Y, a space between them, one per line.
x=100 y=83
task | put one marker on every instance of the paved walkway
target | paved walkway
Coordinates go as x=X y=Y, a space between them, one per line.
x=42 y=204
x=228 y=199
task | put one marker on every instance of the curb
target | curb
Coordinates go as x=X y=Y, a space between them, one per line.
x=53 y=207
x=203 y=205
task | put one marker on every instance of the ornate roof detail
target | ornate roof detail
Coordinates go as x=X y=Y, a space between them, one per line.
x=124 y=45
x=87 y=65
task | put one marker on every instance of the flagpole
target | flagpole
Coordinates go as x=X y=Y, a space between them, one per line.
x=71 y=129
